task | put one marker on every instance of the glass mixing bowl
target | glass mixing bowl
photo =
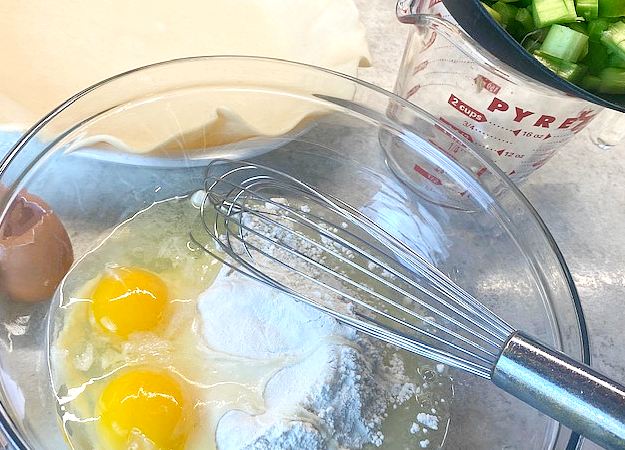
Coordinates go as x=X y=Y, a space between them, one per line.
x=356 y=141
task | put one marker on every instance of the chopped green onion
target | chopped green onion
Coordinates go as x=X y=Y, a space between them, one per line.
x=515 y=29
x=565 y=43
x=580 y=27
x=611 y=8
x=548 y=12
x=583 y=41
x=495 y=15
x=596 y=29
x=615 y=60
x=597 y=58
x=588 y=9
x=584 y=51
x=590 y=83
x=566 y=69
x=506 y=11
x=612 y=81
x=614 y=38
x=524 y=17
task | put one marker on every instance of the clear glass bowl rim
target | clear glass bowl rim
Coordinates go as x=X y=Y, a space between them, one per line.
x=7 y=426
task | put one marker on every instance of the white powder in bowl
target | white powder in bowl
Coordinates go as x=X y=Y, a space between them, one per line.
x=242 y=317
x=332 y=390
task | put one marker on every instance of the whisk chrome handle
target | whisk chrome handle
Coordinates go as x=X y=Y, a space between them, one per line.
x=564 y=389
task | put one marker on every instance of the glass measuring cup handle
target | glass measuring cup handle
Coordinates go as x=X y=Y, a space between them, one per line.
x=405 y=9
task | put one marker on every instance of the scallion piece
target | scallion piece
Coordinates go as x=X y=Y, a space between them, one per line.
x=568 y=70
x=588 y=9
x=524 y=17
x=597 y=58
x=615 y=60
x=548 y=12
x=590 y=83
x=580 y=27
x=565 y=43
x=596 y=29
x=506 y=11
x=494 y=14
x=583 y=41
x=612 y=81
x=614 y=38
x=611 y=8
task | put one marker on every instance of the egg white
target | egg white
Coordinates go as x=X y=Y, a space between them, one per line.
x=83 y=358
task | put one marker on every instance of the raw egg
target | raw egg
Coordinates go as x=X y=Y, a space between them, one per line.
x=128 y=363
x=129 y=299
x=35 y=250
x=143 y=404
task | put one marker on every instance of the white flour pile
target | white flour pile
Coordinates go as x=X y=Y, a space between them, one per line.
x=333 y=390
x=333 y=387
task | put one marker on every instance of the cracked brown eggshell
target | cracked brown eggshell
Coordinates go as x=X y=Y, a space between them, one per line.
x=35 y=250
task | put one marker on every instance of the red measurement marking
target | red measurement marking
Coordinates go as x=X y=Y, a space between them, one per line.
x=516 y=132
x=547 y=137
x=508 y=154
x=512 y=173
x=429 y=42
x=424 y=173
x=491 y=87
x=466 y=135
x=419 y=67
x=481 y=172
x=465 y=109
x=445 y=151
x=584 y=119
x=413 y=90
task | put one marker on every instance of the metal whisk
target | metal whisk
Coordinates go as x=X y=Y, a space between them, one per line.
x=317 y=248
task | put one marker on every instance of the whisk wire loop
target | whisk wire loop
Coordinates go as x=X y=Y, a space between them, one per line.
x=441 y=284
x=350 y=281
x=366 y=305
x=396 y=294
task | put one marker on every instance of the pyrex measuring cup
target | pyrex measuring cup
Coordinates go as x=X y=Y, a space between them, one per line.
x=517 y=122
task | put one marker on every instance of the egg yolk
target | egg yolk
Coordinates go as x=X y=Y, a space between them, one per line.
x=129 y=299
x=142 y=405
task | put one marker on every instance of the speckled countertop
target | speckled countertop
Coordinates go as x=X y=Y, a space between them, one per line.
x=580 y=194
